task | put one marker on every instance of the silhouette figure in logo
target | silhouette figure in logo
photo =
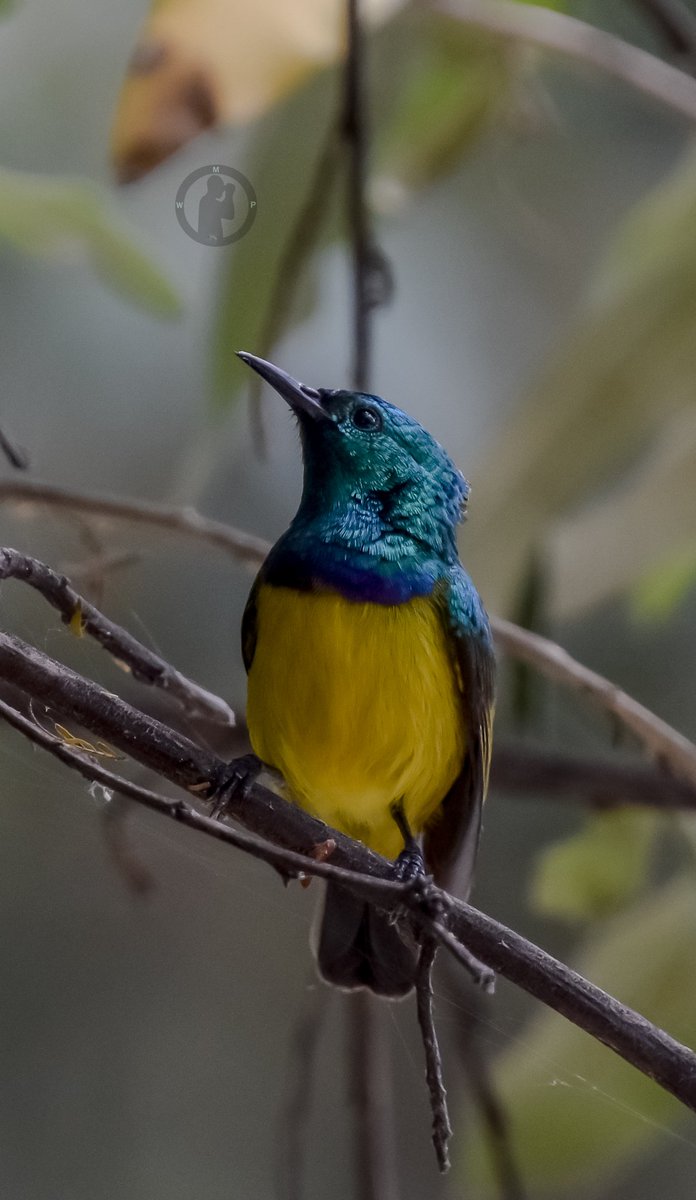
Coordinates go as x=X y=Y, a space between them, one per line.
x=216 y=206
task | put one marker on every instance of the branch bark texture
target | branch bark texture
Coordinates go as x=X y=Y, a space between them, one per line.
x=284 y=836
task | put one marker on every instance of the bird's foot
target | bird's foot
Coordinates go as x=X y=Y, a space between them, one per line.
x=410 y=865
x=235 y=782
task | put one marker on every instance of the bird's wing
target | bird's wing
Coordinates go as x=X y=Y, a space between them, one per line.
x=451 y=839
x=250 y=625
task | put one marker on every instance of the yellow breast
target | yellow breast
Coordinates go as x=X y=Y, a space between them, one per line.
x=357 y=705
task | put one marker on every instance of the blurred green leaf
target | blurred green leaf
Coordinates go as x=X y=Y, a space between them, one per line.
x=598 y=870
x=628 y=367
x=578 y=1113
x=659 y=592
x=67 y=220
x=459 y=78
x=458 y=81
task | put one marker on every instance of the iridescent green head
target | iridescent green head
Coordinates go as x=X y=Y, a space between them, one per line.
x=367 y=460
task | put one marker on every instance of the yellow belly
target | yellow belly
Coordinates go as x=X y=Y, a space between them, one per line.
x=357 y=705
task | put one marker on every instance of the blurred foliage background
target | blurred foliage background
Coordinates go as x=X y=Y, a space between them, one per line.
x=540 y=220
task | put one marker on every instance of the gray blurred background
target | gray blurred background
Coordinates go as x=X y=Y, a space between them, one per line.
x=146 y=1042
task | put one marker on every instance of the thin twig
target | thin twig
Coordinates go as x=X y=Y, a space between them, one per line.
x=294 y=1114
x=354 y=132
x=185 y=521
x=673 y=751
x=83 y=617
x=370 y=1091
x=442 y=1130
x=669 y=747
x=566 y=35
x=481 y=974
x=352 y=864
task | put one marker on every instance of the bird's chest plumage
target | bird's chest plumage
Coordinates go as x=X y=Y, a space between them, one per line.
x=357 y=705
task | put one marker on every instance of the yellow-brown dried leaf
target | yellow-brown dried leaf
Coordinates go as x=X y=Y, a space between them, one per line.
x=199 y=63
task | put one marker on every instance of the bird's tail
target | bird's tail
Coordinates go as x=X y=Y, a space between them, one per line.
x=358 y=947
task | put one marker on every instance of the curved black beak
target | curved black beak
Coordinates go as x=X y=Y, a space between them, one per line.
x=302 y=399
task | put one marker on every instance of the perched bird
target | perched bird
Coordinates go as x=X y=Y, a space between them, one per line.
x=370 y=661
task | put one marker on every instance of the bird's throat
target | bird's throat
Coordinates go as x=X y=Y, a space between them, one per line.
x=359 y=575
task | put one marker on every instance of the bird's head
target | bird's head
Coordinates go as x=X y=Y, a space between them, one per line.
x=361 y=452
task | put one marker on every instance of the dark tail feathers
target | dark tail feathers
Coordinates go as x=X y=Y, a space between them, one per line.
x=358 y=947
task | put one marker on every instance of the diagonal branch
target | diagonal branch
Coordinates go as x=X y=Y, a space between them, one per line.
x=184 y=521
x=293 y=833
x=83 y=617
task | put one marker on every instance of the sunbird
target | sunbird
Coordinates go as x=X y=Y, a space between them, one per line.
x=370 y=662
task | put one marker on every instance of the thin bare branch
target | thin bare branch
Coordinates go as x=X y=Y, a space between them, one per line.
x=354 y=132
x=372 y=280
x=294 y=833
x=442 y=1130
x=184 y=521
x=481 y=974
x=670 y=748
x=549 y=30
x=83 y=617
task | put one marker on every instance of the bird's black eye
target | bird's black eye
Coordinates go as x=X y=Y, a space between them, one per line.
x=367 y=418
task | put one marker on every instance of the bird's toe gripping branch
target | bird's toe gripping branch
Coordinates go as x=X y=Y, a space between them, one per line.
x=410 y=865
x=236 y=780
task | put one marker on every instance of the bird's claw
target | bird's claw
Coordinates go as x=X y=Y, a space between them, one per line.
x=236 y=781
x=410 y=865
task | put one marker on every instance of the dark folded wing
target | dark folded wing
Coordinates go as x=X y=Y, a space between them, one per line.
x=250 y=625
x=452 y=838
